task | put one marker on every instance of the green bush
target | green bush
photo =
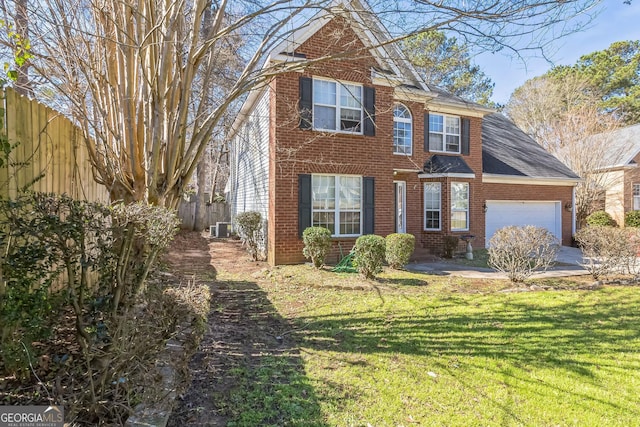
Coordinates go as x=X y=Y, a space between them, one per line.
x=632 y=219
x=399 y=248
x=369 y=255
x=52 y=246
x=249 y=228
x=601 y=218
x=450 y=246
x=317 y=244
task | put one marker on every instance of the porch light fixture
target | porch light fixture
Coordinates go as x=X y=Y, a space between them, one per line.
x=568 y=207
x=484 y=207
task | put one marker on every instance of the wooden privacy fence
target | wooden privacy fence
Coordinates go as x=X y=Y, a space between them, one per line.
x=47 y=144
x=215 y=212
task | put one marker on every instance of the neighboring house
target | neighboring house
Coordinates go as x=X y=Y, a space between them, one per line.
x=362 y=145
x=620 y=172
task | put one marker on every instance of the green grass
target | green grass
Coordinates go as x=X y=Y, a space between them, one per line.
x=412 y=349
x=480 y=259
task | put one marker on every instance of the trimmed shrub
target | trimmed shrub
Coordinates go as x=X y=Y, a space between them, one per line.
x=601 y=218
x=369 y=255
x=521 y=251
x=317 y=244
x=399 y=248
x=632 y=219
x=608 y=250
x=450 y=246
x=249 y=228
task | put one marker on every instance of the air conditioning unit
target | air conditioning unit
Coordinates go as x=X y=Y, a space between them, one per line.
x=221 y=229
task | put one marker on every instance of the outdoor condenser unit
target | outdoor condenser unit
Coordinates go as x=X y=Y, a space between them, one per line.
x=221 y=229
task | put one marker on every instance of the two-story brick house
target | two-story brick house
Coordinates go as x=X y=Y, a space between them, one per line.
x=360 y=145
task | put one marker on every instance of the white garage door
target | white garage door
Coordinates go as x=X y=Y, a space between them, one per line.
x=541 y=214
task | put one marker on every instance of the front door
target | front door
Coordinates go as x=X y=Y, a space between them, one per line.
x=400 y=197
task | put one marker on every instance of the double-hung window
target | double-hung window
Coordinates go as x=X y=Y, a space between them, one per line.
x=444 y=133
x=636 y=197
x=337 y=106
x=401 y=130
x=459 y=206
x=337 y=203
x=432 y=206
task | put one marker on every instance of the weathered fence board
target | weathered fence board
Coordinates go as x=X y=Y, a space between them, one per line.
x=48 y=144
x=215 y=212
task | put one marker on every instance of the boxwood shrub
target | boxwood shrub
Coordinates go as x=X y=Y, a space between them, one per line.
x=601 y=218
x=317 y=244
x=632 y=219
x=399 y=248
x=369 y=255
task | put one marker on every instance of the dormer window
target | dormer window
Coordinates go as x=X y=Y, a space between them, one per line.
x=444 y=133
x=337 y=106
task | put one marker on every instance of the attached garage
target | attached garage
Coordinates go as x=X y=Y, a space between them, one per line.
x=501 y=213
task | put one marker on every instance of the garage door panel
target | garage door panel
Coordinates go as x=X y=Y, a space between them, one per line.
x=540 y=214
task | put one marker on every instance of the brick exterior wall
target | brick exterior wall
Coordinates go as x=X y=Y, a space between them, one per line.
x=536 y=193
x=294 y=151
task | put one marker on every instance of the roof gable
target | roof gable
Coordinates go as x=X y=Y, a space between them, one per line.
x=368 y=29
x=623 y=146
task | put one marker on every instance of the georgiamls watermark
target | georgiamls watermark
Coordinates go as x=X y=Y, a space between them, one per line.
x=31 y=416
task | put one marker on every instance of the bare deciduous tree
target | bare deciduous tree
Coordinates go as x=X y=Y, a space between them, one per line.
x=562 y=116
x=129 y=69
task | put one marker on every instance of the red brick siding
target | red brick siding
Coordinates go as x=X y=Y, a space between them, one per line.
x=536 y=193
x=293 y=151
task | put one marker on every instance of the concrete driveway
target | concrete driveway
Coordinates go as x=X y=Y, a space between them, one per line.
x=569 y=260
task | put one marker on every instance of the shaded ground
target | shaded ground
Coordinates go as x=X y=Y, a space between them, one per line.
x=241 y=335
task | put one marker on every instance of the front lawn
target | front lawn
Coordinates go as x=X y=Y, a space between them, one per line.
x=414 y=349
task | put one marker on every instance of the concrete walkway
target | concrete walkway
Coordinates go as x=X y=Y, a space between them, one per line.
x=569 y=260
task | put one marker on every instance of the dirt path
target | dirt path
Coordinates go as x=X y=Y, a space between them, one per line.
x=242 y=325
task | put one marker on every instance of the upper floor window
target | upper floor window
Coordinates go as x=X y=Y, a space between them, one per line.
x=444 y=133
x=337 y=106
x=402 y=130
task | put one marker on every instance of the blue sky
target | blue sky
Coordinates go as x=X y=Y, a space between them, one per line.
x=616 y=21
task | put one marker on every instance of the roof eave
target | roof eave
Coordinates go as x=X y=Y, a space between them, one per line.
x=489 y=178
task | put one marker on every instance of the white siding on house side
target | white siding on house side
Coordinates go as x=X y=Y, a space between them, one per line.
x=249 y=161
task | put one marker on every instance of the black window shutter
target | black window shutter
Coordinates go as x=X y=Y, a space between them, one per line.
x=368 y=199
x=306 y=102
x=465 y=130
x=304 y=202
x=426 y=132
x=369 y=126
x=395 y=207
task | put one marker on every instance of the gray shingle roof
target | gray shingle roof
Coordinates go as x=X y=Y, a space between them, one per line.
x=507 y=150
x=438 y=164
x=622 y=146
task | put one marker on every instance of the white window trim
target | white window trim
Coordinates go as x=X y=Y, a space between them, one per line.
x=336 y=218
x=424 y=193
x=403 y=120
x=634 y=197
x=444 y=134
x=339 y=88
x=466 y=211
